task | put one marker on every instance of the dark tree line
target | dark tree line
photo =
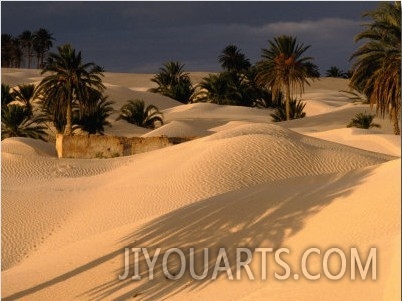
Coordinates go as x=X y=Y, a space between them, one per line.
x=28 y=50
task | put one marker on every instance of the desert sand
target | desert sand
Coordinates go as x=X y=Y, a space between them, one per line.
x=245 y=182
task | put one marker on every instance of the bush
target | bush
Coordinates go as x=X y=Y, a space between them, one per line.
x=296 y=110
x=135 y=112
x=363 y=121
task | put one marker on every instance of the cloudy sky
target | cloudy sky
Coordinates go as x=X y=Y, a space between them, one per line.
x=141 y=36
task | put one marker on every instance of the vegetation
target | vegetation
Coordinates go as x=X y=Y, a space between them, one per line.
x=219 y=89
x=135 y=112
x=94 y=118
x=18 y=121
x=334 y=71
x=11 y=54
x=236 y=85
x=233 y=60
x=25 y=94
x=312 y=70
x=173 y=82
x=26 y=46
x=296 y=111
x=71 y=81
x=363 y=121
x=72 y=94
x=6 y=96
x=18 y=117
x=283 y=68
x=377 y=65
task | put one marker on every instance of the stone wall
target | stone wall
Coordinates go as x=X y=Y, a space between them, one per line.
x=94 y=146
x=142 y=145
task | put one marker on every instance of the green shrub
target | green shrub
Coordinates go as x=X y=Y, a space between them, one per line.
x=296 y=110
x=363 y=121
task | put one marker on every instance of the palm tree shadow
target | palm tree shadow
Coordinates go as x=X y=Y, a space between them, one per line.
x=257 y=216
x=251 y=217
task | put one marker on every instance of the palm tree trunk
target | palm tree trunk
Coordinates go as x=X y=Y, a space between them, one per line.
x=68 y=129
x=287 y=101
x=29 y=57
x=395 y=121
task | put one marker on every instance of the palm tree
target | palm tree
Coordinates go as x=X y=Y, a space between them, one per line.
x=94 y=120
x=136 y=113
x=173 y=82
x=233 y=60
x=377 y=66
x=42 y=42
x=219 y=89
x=6 y=42
x=26 y=40
x=11 y=53
x=18 y=121
x=25 y=94
x=261 y=95
x=283 y=67
x=296 y=111
x=71 y=81
x=334 y=71
x=363 y=121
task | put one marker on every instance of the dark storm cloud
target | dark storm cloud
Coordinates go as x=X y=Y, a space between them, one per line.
x=141 y=36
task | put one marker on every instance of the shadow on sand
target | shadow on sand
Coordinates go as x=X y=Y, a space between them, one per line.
x=262 y=215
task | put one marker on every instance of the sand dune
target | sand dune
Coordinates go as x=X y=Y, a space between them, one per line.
x=244 y=183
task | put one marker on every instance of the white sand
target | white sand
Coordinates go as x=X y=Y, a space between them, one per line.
x=246 y=182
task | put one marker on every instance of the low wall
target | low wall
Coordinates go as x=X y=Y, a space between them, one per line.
x=94 y=146
x=82 y=146
x=142 y=145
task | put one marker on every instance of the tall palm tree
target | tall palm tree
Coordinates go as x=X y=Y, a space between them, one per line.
x=377 y=66
x=17 y=121
x=11 y=53
x=136 y=113
x=25 y=93
x=26 y=39
x=70 y=81
x=283 y=67
x=6 y=42
x=173 y=82
x=42 y=42
x=233 y=60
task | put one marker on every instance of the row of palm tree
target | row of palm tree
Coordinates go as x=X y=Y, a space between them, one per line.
x=335 y=71
x=282 y=71
x=236 y=84
x=240 y=82
x=70 y=98
x=20 y=51
x=375 y=75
